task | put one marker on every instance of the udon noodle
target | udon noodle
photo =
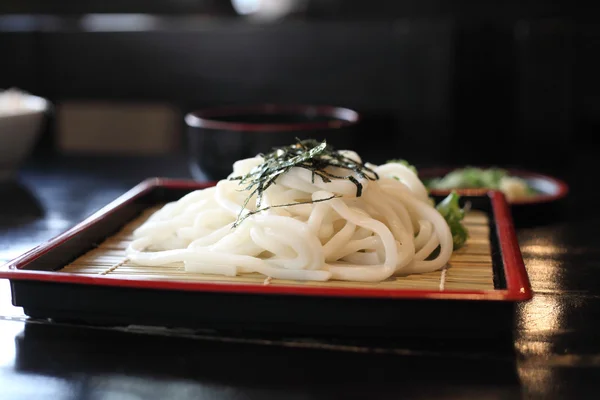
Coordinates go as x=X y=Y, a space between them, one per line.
x=310 y=229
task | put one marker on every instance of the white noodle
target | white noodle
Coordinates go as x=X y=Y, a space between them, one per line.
x=392 y=228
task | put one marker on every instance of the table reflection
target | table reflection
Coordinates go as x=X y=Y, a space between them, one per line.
x=7 y=310
x=88 y=359
x=7 y=343
x=537 y=382
x=542 y=313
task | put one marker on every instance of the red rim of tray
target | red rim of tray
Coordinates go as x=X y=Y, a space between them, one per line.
x=211 y=118
x=517 y=282
x=562 y=189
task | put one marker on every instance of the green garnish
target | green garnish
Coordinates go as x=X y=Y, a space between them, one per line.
x=484 y=178
x=453 y=214
x=308 y=154
x=469 y=178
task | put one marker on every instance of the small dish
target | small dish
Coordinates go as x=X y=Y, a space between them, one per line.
x=550 y=189
x=21 y=119
x=218 y=137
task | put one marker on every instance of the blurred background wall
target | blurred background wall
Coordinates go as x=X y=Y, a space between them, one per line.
x=505 y=82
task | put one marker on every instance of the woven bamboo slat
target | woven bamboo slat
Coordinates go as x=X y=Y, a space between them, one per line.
x=470 y=267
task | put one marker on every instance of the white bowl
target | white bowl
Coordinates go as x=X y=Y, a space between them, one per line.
x=20 y=126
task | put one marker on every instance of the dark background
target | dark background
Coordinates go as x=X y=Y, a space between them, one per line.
x=444 y=82
x=440 y=82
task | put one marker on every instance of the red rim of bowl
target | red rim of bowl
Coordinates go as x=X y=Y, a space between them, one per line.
x=562 y=189
x=209 y=118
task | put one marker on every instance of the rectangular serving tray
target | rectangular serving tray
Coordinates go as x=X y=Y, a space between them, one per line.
x=108 y=300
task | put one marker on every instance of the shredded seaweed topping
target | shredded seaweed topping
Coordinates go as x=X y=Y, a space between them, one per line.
x=309 y=154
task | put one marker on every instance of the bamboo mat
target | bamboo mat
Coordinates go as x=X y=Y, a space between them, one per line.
x=470 y=267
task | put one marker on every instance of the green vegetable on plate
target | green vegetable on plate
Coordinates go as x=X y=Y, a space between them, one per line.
x=483 y=178
x=454 y=214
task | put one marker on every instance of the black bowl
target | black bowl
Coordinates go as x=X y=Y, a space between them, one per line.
x=217 y=137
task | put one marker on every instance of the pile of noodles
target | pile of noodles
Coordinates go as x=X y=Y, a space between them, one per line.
x=391 y=228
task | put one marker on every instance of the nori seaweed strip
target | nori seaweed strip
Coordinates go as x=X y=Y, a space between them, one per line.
x=308 y=154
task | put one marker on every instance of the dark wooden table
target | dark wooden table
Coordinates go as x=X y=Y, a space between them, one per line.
x=556 y=348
